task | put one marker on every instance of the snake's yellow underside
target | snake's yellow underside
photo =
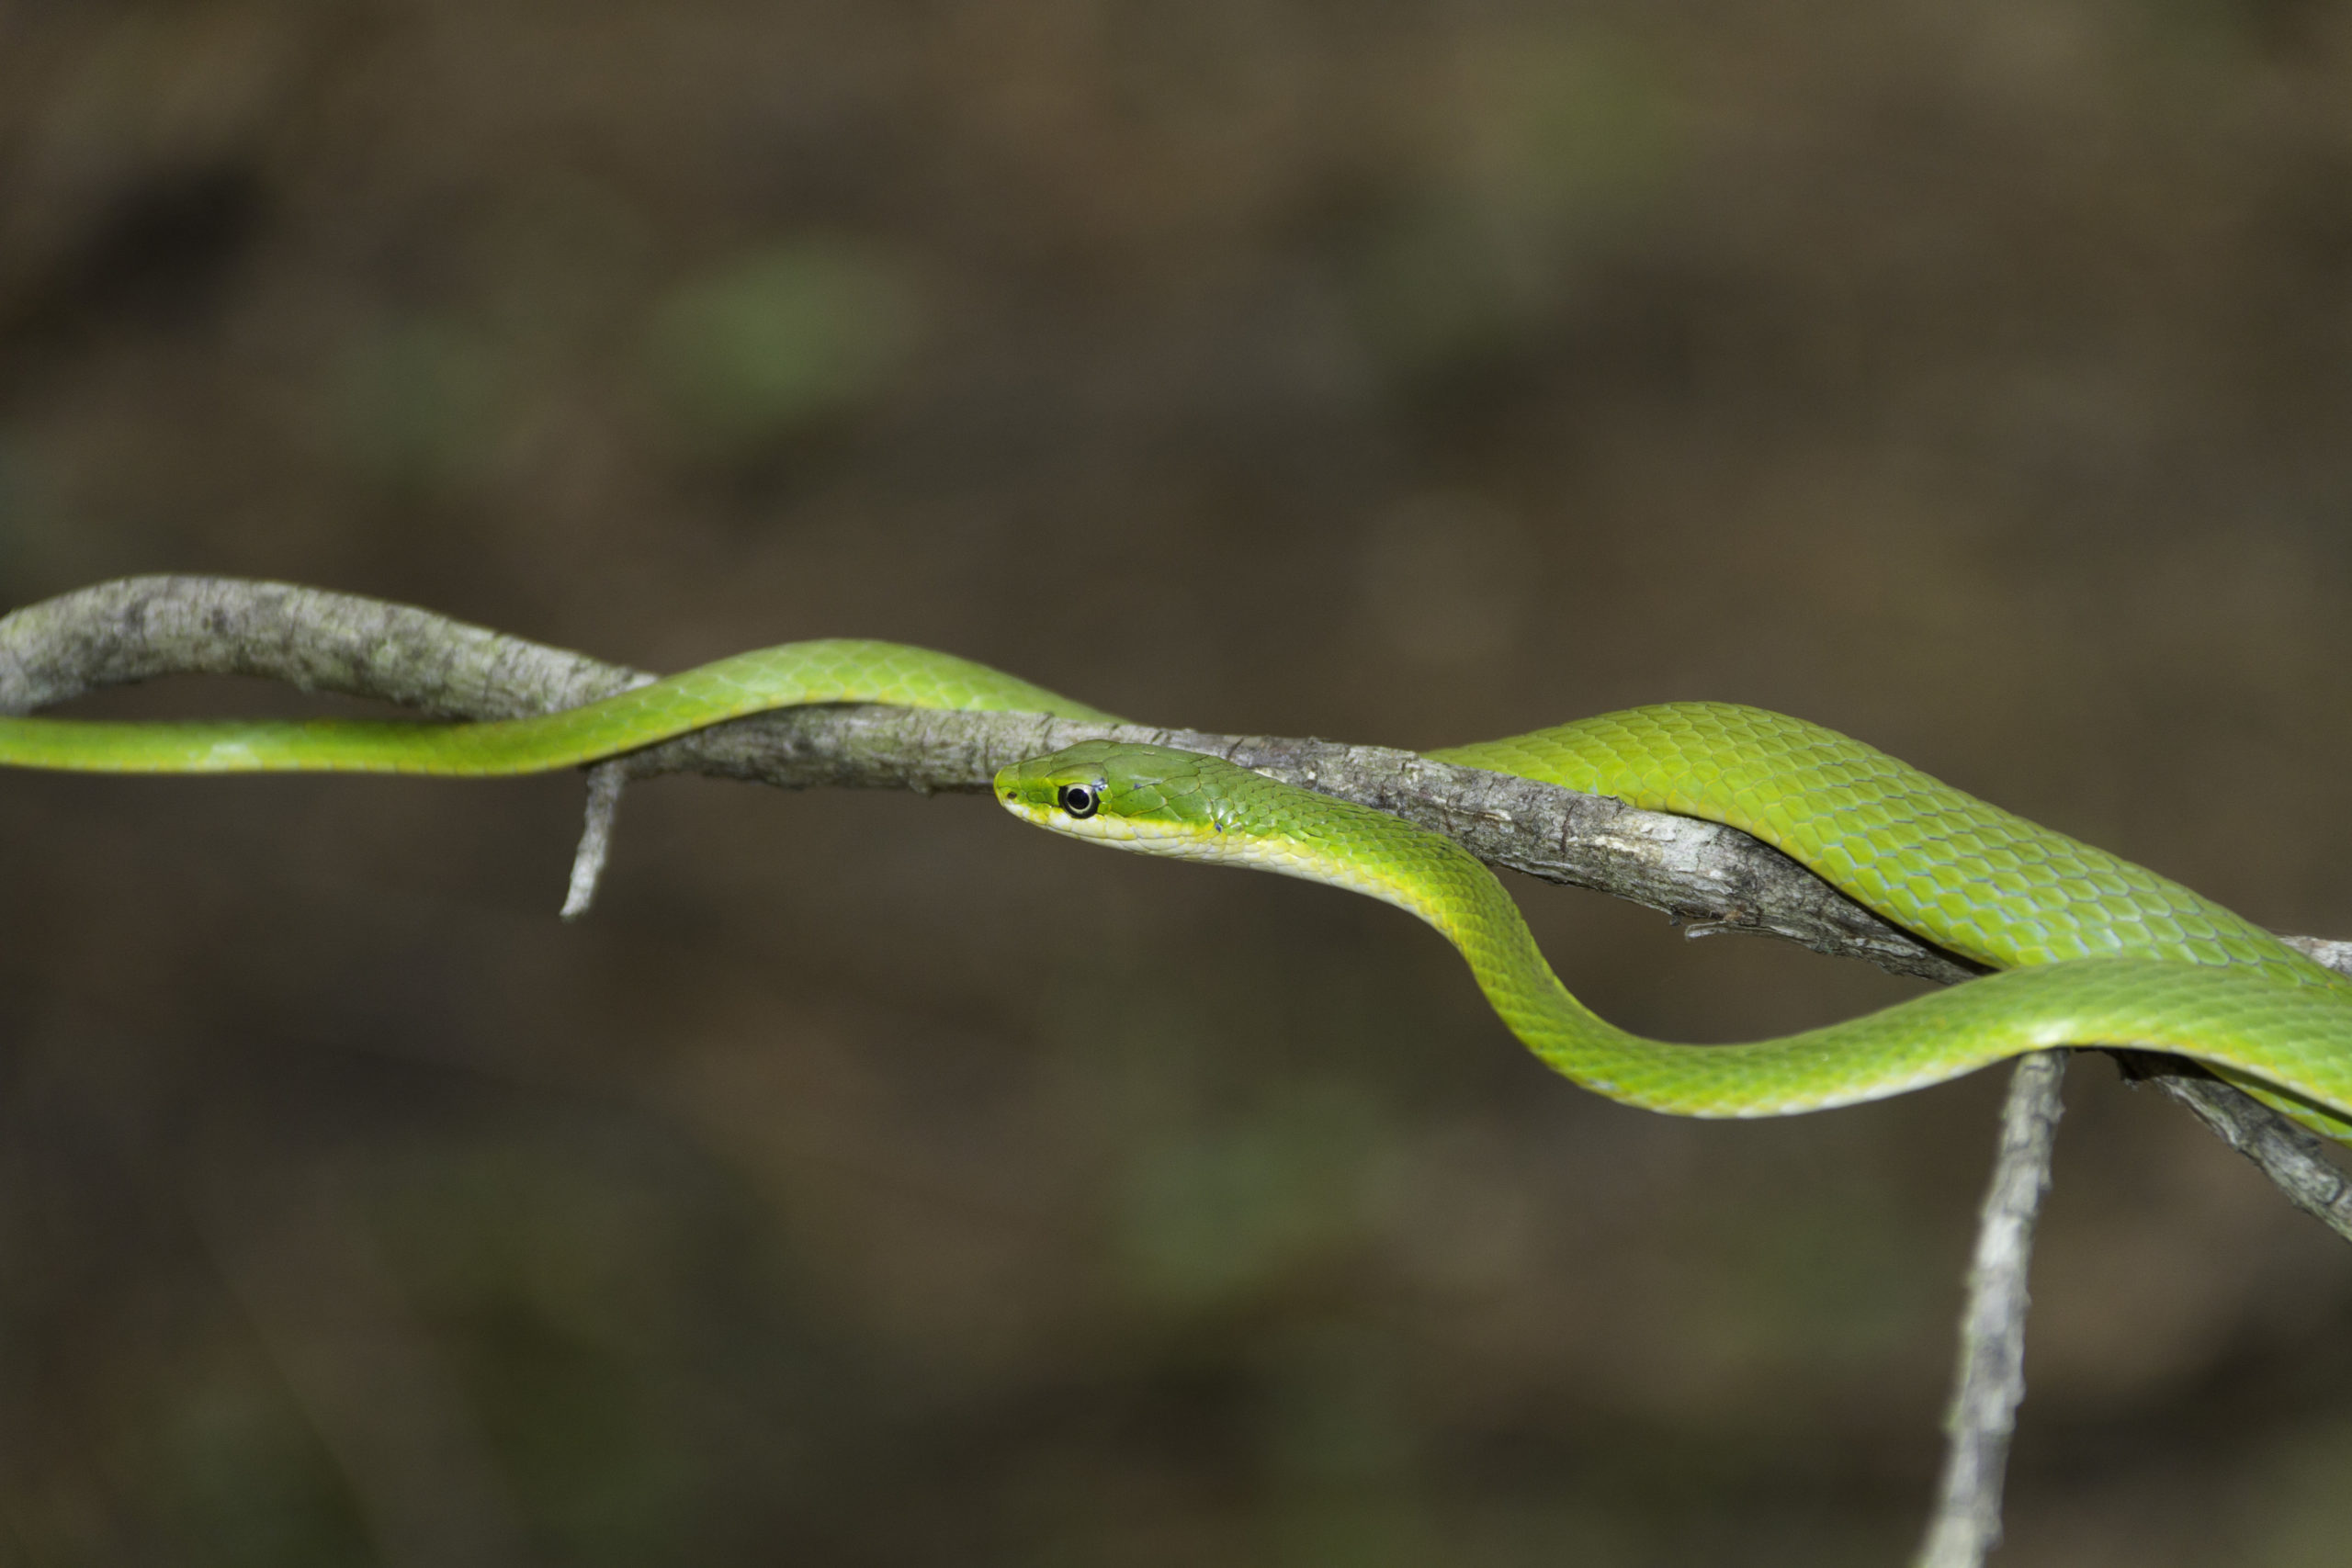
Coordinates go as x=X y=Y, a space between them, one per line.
x=2097 y=951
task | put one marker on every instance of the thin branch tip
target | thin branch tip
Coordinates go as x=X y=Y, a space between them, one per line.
x=606 y=781
x=1990 y=1381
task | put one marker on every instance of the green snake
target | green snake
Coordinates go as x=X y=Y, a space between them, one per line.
x=2088 y=950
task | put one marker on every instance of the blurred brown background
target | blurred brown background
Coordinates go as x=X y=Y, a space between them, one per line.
x=873 y=1182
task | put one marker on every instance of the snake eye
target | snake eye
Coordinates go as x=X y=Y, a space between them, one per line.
x=1078 y=800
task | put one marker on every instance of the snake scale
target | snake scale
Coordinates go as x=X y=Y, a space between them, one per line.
x=2089 y=949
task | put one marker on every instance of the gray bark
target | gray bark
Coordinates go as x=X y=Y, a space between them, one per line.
x=1712 y=878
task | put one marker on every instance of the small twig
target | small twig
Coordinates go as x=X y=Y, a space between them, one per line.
x=1991 y=1378
x=606 y=781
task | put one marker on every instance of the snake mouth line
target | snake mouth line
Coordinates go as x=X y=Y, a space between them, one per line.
x=1146 y=837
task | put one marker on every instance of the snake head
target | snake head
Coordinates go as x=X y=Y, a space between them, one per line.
x=1152 y=799
x=1158 y=801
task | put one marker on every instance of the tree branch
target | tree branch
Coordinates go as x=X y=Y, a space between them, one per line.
x=1715 y=878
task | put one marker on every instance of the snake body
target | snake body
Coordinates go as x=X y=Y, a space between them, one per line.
x=1974 y=879
x=2092 y=950
x=793 y=674
x=2278 y=1019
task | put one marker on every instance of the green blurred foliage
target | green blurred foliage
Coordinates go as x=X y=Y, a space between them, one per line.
x=2300 y=1505
x=1570 y=140
x=420 y=404
x=769 y=344
x=1217 y=1214
x=243 y=1481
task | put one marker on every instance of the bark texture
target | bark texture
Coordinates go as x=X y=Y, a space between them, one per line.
x=1715 y=879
